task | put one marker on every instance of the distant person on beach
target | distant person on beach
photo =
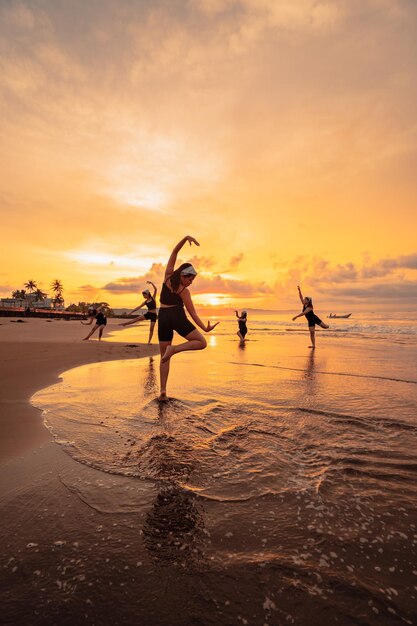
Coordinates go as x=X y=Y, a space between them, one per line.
x=150 y=315
x=97 y=314
x=243 y=329
x=174 y=295
x=312 y=318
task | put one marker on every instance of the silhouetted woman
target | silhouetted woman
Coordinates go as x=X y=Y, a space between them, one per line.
x=97 y=314
x=312 y=318
x=174 y=296
x=150 y=315
x=241 y=333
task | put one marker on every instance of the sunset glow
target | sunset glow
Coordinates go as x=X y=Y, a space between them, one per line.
x=282 y=135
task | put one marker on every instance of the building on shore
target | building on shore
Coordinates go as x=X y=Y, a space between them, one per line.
x=54 y=304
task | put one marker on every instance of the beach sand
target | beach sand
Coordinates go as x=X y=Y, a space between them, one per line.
x=36 y=507
x=267 y=493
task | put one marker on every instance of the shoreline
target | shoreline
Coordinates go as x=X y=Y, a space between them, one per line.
x=30 y=364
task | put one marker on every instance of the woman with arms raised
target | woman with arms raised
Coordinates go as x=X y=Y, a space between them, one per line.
x=174 y=296
x=150 y=315
x=312 y=319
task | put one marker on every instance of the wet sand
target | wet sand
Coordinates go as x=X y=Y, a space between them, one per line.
x=33 y=354
x=36 y=507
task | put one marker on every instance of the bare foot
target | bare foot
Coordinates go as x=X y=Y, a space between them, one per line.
x=85 y=339
x=169 y=352
x=314 y=347
x=163 y=397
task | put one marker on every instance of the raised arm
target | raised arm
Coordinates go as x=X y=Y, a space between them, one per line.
x=186 y=298
x=300 y=294
x=149 y=282
x=173 y=257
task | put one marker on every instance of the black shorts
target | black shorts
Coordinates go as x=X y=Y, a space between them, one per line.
x=170 y=319
x=313 y=321
x=152 y=317
x=101 y=320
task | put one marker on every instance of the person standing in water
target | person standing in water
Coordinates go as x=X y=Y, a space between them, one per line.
x=175 y=294
x=243 y=329
x=151 y=314
x=312 y=318
x=101 y=321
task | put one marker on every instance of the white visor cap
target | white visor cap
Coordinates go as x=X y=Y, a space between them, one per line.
x=189 y=270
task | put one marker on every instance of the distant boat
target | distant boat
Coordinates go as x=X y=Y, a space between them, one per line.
x=334 y=316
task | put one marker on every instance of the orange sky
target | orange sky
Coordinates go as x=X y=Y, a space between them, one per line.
x=280 y=134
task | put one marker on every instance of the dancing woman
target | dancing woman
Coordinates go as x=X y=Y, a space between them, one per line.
x=175 y=294
x=243 y=329
x=312 y=318
x=97 y=314
x=150 y=315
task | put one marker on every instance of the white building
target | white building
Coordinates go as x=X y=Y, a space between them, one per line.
x=24 y=303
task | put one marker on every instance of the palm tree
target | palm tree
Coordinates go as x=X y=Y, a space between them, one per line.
x=57 y=287
x=31 y=285
x=19 y=294
x=40 y=295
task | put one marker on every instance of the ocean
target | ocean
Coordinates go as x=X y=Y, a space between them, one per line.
x=276 y=486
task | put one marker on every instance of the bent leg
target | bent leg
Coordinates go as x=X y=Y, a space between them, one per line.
x=195 y=341
x=323 y=325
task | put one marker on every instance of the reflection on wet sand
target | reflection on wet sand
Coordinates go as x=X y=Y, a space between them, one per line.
x=173 y=529
x=310 y=366
x=150 y=380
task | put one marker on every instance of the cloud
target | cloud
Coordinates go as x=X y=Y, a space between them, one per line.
x=6 y=291
x=235 y=262
x=405 y=291
x=203 y=284
x=383 y=279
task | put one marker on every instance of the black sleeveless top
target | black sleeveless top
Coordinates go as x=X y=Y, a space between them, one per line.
x=170 y=297
x=151 y=304
x=100 y=317
x=311 y=316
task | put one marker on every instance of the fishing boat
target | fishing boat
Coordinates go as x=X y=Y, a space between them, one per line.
x=339 y=317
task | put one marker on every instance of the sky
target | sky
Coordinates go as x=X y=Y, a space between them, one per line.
x=281 y=134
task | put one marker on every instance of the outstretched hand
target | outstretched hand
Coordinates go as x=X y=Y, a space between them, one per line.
x=211 y=326
x=294 y=318
x=191 y=240
x=298 y=287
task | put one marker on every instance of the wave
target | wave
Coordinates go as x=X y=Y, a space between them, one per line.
x=349 y=374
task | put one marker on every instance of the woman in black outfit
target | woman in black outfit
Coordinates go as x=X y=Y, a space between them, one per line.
x=101 y=321
x=174 y=295
x=151 y=314
x=312 y=318
x=243 y=329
